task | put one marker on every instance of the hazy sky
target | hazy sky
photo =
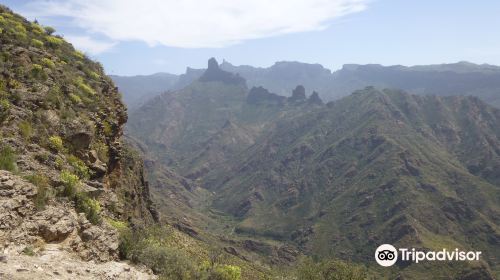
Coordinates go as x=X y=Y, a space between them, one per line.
x=143 y=37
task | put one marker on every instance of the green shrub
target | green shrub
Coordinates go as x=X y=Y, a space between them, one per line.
x=13 y=84
x=48 y=63
x=79 y=167
x=37 y=28
x=329 y=270
x=89 y=206
x=2 y=20
x=83 y=203
x=102 y=151
x=54 y=41
x=107 y=128
x=28 y=251
x=4 y=109
x=44 y=191
x=37 y=68
x=8 y=159
x=19 y=27
x=70 y=183
x=118 y=225
x=38 y=72
x=148 y=247
x=75 y=98
x=80 y=83
x=222 y=272
x=25 y=129
x=79 y=54
x=37 y=43
x=18 y=30
x=54 y=97
x=93 y=75
x=56 y=143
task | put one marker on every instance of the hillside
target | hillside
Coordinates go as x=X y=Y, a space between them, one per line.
x=336 y=179
x=373 y=167
x=67 y=177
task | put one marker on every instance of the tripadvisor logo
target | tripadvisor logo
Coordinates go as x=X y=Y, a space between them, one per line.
x=387 y=255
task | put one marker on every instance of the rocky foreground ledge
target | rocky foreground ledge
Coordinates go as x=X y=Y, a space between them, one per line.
x=56 y=243
x=56 y=263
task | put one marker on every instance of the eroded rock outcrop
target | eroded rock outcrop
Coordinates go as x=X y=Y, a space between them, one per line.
x=298 y=95
x=22 y=225
x=215 y=74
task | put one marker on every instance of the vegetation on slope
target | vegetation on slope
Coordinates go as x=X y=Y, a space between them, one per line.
x=337 y=180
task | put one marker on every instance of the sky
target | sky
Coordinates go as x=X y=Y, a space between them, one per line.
x=148 y=36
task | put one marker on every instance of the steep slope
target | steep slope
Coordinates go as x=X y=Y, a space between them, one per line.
x=66 y=179
x=372 y=168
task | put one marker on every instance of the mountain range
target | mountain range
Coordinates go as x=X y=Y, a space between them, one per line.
x=462 y=78
x=329 y=180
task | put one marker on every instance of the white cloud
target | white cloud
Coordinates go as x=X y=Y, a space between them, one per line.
x=89 y=45
x=196 y=23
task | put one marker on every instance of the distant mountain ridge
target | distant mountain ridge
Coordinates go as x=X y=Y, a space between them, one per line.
x=462 y=78
x=138 y=89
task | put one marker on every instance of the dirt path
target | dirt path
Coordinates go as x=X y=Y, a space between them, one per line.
x=56 y=264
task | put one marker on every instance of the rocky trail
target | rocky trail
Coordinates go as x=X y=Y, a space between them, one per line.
x=56 y=263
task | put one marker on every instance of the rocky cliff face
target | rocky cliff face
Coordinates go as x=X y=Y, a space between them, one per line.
x=67 y=178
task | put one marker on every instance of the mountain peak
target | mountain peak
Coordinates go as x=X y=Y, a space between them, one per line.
x=215 y=74
x=213 y=64
x=298 y=94
x=315 y=99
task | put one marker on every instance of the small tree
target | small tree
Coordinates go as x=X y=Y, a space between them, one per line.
x=49 y=30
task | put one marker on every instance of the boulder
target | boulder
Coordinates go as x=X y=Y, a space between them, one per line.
x=80 y=141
